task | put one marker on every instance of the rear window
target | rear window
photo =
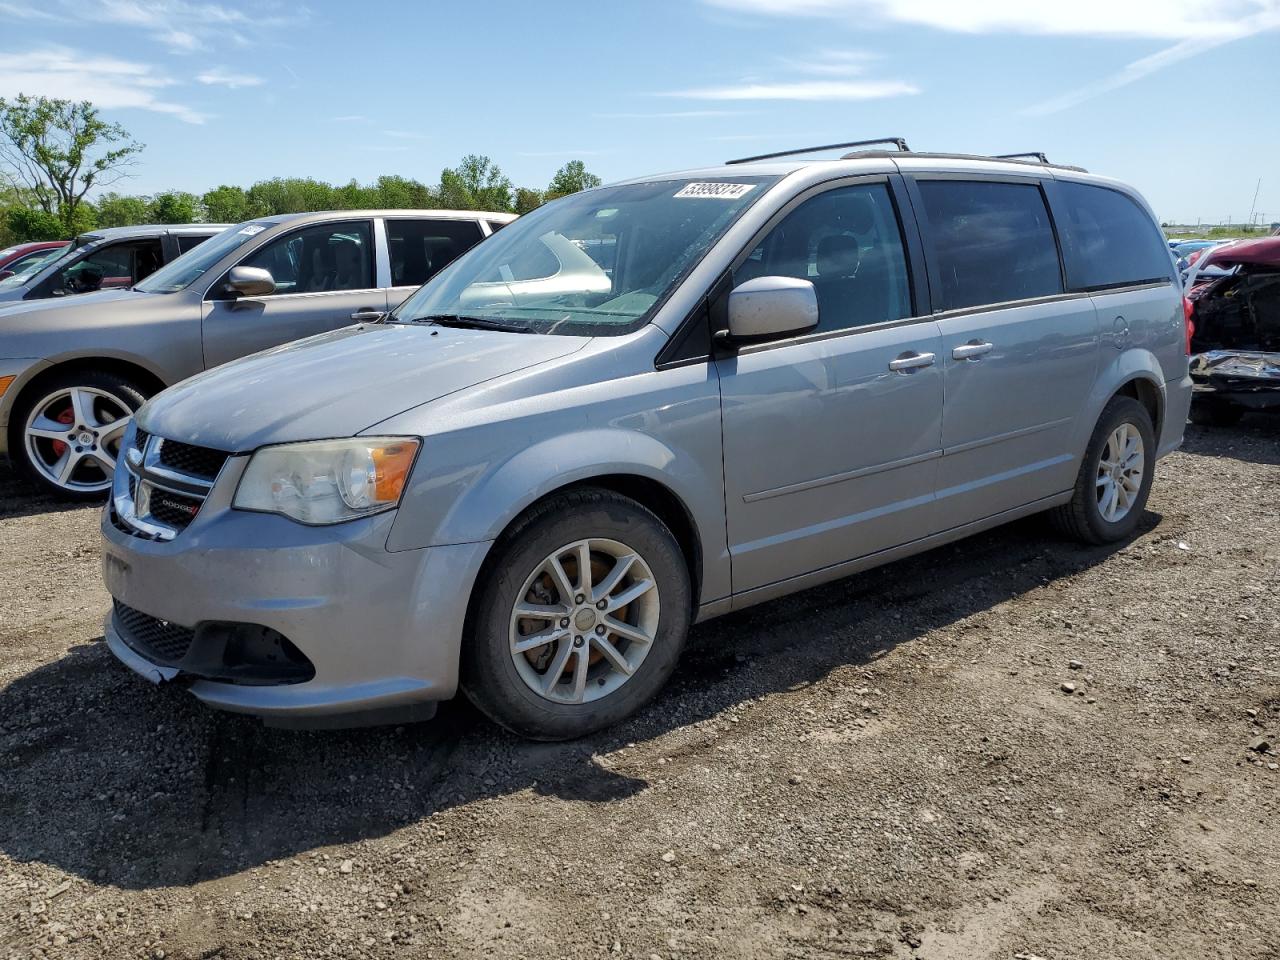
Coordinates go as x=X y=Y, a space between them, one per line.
x=1109 y=241
x=993 y=242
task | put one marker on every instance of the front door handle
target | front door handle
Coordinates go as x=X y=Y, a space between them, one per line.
x=973 y=350
x=367 y=315
x=911 y=361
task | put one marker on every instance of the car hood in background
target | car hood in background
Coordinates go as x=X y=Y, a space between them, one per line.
x=1264 y=252
x=338 y=384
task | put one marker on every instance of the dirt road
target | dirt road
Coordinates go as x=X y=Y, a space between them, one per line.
x=891 y=766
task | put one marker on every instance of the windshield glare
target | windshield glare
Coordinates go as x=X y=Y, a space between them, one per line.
x=57 y=255
x=186 y=269
x=596 y=263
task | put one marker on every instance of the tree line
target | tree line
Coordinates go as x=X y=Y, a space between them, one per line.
x=54 y=153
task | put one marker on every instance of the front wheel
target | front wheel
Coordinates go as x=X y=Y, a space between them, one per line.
x=1115 y=477
x=67 y=432
x=580 y=619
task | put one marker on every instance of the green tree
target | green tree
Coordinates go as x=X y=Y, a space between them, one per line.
x=476 y=183
x=227 y=204
x=571 y=178
x=115 y=210
x=528 y=199
x=28 y=224
x=174 y=206
x=290 y=195
x=60 y=150
x=401 y=193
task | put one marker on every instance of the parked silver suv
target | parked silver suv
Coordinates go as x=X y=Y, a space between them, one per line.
x=72 y=371
x=543 y=468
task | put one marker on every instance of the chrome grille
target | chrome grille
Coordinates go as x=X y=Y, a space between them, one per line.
x=163 y=485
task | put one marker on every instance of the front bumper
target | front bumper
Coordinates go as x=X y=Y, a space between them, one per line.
x=1246 y=378
x=382 y=629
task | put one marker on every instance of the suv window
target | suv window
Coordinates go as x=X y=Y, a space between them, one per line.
x=189 y=241
x=112 y=266
x=1110 y=240
x=326 y=257
x=422 y=248
x=848 y=243
x=993 y=241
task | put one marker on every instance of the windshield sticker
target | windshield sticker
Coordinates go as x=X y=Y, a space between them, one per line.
x=716 y=191
x=252 y=230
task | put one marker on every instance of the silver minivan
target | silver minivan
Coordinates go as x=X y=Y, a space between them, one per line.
x=73 y=370
x=537 y=472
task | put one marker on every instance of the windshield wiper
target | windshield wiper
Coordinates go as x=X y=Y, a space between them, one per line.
x=473 y=323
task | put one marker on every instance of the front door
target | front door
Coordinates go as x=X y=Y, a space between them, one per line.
x=324 y=278
x=831 y=440
x=1019 y=355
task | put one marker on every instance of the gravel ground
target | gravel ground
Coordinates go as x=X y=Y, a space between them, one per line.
x=1011 y=747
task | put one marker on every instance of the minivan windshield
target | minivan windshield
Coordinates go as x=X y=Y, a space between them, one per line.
x=185 y=270
x=596 y=263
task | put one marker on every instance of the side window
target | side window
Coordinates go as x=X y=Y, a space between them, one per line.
x=189 y=241
x=1109 y=240
x=112 y=266
x=319 y=259
x=496 y=225
x=994 y=242
x=847 y=242
x=422 y=248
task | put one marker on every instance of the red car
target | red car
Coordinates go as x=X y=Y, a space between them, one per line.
x=24 y=256
x=1235 y=331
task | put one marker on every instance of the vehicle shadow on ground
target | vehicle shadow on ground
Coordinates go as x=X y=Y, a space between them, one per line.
x=1253 y=440
x=18 y=498
x=122 y=783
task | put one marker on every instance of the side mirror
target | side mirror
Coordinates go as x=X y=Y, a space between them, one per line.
x=251 y=281
x=771 y=307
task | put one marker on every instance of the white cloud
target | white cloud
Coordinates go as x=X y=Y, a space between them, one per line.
x=105 y=81
x=802 y=90
x=1170 y=19
x=185 y=26
x=831 y=63
x=222 y=77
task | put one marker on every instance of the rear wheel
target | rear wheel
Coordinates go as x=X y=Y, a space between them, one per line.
x=67 y=432
x=1216 y=413
x=1115 y=477
x=580 y=619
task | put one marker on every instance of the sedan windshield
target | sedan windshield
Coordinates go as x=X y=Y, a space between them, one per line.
x=188 y=268
x=56 y=256
x=597 y=263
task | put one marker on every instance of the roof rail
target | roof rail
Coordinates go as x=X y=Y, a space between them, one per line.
x=1036 y=154
x=899 y=142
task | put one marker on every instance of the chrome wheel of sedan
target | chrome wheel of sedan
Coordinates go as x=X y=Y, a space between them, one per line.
x=73 y=437
x=584 y=621
x=1120 y=471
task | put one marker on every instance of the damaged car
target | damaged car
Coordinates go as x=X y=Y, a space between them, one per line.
x=1235 y=324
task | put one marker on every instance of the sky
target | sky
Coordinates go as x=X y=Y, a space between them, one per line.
x=1173 y=96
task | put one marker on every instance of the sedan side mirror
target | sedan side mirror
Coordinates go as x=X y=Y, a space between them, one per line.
x=770 y=307
x=251 y=281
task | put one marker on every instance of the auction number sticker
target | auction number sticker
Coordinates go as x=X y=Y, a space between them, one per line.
x=252 y=230
x=716 y=191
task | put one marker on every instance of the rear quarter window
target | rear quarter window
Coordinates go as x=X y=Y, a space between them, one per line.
x=1109 y=240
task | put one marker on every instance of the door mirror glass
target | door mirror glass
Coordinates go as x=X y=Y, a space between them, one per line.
x=772 y=307
x=251 y=281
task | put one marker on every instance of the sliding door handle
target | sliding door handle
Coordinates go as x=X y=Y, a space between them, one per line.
x=973 y=350
x=911 y=361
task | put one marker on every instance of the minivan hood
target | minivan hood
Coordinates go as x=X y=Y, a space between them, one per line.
x=338 y=384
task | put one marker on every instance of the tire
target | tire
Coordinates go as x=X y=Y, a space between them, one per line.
x=501 y=681
x=1216 y=413
x=107 y=402
x=1083 y=518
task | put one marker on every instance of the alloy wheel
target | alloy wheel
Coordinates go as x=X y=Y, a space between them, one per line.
x=73 y=437
x=1120 y=472
x=584 y=621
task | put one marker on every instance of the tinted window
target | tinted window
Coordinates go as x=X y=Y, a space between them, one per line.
x=847 y=242
x=188 y=241
x=422 y=248
x=1110 y=239
x=496 y=225
x=993 y=242
x=331 y=256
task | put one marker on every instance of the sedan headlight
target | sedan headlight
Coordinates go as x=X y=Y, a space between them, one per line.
x=327 y=481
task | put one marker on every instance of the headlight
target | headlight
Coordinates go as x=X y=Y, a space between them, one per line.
x=327 y=481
